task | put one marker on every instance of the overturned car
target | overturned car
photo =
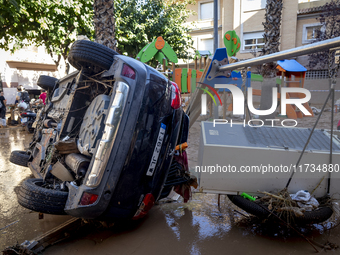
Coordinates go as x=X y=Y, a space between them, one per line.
x=103 y=145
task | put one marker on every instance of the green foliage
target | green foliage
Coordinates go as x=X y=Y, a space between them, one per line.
x=138 y=24
x=53 y=23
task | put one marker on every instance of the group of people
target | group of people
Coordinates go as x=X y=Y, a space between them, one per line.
x=22 y=96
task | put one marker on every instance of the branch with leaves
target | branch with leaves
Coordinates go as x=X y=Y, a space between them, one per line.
x=54 y=24
x=138 y=24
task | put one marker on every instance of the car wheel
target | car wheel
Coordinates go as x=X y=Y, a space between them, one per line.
x=32 y=195
x=19 y=158
x=310 y=217
x=29 y=128
x=90 y=56
x=46 y=82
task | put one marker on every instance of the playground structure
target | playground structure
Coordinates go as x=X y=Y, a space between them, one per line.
x=187 y=78
x=161 y=51
x=290 y=73
x=293 y=74
x=232 y=43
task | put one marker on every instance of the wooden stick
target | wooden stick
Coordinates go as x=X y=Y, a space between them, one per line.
x=296 y=210
x=272 y=195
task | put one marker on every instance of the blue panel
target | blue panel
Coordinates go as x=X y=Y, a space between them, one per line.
x=235 y=78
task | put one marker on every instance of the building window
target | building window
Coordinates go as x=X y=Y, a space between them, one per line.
x=252 y=5
x=310 y=31
x=206 y=44
x=253 y=41
x=207 y=10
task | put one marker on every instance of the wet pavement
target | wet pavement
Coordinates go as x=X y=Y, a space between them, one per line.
x=17 y=224
x=198 y=227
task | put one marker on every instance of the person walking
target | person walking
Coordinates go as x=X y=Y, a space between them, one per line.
x=18 y=96
x=42 y=97
x=2 y=109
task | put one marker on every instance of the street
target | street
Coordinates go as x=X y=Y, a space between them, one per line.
x=198 y=227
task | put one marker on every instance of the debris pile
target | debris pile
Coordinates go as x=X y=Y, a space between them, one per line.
x=289 y=206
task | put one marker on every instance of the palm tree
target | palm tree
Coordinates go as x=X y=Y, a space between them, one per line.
x=271 y=36
x=104 y=23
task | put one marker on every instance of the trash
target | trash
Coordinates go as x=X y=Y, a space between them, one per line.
x=305 y=200
x=22 y=105
x=4 y=133
x=336 y=208
x=296 y=203
x=9 y=225
x=315 y=110
x=296 y=210
x=245 y=195
x=173 y=196
x=302 y=195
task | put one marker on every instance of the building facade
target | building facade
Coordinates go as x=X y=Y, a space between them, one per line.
x=23 y=68
x=298 y=25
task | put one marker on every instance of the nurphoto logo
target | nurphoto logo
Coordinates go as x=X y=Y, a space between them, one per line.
x=238 y=99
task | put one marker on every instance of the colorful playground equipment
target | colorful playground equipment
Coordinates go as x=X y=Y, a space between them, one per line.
x=186 y=78
x=232 y=43
x=159 y=49
x=290 y=72
x=293 y=75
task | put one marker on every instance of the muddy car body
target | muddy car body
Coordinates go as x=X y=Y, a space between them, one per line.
x=107 y=140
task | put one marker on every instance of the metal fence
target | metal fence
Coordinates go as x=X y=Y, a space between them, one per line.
x=316 y=74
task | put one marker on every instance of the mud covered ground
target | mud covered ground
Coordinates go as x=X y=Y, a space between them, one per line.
x=198 y=227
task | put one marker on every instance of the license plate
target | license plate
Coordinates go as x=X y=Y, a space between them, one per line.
x=23 y=120
x=157 y=150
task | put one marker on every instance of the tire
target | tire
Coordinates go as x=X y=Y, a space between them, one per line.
x=46 y=82
x=310 y=217
x=29 y=128
x=19 y=158
x=92 y=57
x=317 y=216
x=34 y=197
x=249 y=206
